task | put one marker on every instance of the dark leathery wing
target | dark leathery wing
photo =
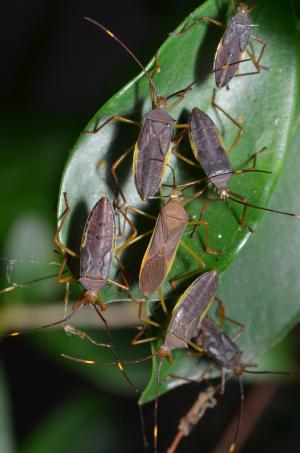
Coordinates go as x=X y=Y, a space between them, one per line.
x=232 y=46
x=162 y=247
x=190 y=309
x=208 y=150
x=218 y=345
x=151 y=152
x=97 y=245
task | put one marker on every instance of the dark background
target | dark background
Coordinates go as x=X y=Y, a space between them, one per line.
x=56 y=71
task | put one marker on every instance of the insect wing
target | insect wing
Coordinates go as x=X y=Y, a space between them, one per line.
x=162 y=247
x=97 y=242
x=193 y=305
x=151 y=152
x=217 y=344
x=207 y=148
x=231 y=48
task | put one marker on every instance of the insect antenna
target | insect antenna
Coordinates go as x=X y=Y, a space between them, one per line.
x=239 y=424
x=105 y=362
x=253 y=5
x=206 y=180
x=250 y=205
x=280 y=373
x=118 y=361
x=155 y=428
x=27 y=283
x=142 y=420
x=213 y=71
x=66 y=319
x=45 y=326
x=129 y=52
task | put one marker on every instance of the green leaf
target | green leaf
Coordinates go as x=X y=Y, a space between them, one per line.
x=261 y=289
x=266 y=105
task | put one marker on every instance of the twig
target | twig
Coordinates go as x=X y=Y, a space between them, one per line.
x=204 y=401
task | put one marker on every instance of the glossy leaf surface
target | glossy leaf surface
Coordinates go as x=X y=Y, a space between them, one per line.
x=264 y=103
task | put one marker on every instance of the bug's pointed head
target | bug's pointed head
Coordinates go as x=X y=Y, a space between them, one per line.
x=239 y=370
x=223 y=194
x=89 y=297
x=164 y=352
x=176 y=193
x=242 y=8
x=161 y=102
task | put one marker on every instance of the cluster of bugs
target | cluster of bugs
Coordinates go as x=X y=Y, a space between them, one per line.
x=188 y=327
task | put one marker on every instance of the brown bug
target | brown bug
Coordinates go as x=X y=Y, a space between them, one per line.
x=189 y=311
x=215 y=163
x=164 y=242
x=233 y=44
x=96 y=253
x=216 y=344
x=152 y=149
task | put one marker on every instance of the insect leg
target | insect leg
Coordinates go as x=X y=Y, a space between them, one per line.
x=182 y=276
x=146 y=321
x=118 y=361
x=185 y=159
x=178 y=139
x=156 y=68
x=121 y=119
x=196 y=21
x=133 y=236
x=117 y=284
x=137 y=338
x=162 y=301
x=201 y=378
x=243 y=224
x=202 y=212
x=193 y=254
x=56 y=236
x=253 y=59
x=123 y=272
x=116 y=179
x=253 y=157
x=207 y=248
x=235 y=122
x=220 y=311
x=66 y=279
x=263 y=43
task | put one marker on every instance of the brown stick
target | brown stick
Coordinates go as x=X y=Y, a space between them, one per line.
x=204 y=401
